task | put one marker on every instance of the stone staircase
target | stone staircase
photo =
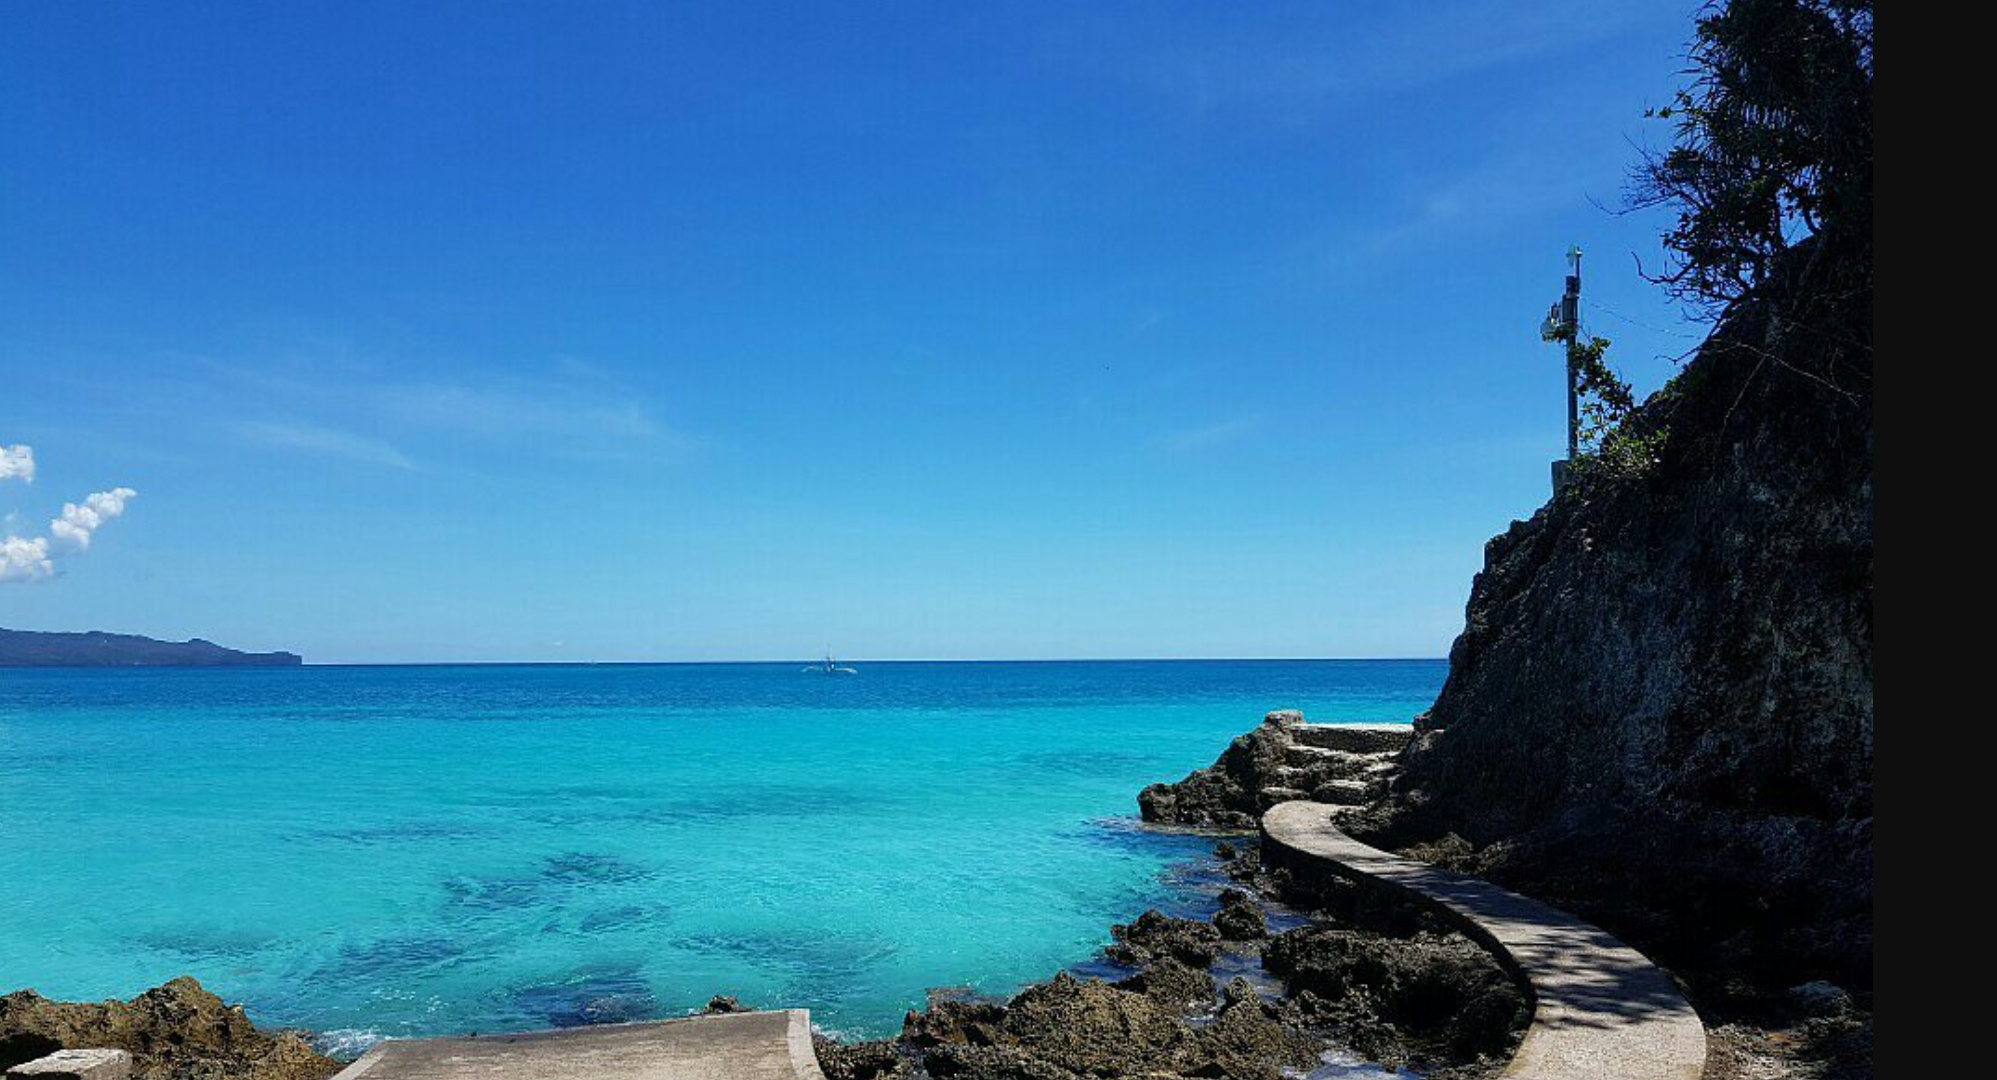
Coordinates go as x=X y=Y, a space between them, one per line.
x=1340 y=764
x=1285 y=759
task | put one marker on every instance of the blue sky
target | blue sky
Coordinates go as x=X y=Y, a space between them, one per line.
x=603 y=331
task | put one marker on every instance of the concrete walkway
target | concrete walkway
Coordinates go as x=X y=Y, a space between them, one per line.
x=730 y=1046
x=1601 y=1011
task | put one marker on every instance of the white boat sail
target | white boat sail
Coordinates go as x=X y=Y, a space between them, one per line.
x=828 y=667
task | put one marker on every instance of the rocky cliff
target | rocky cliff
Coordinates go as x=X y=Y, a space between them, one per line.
x=1659 y=713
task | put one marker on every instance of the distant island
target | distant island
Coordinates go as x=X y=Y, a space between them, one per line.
x=95 y=648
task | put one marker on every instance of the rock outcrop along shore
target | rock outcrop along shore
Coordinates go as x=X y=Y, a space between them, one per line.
x=178 y=1031
x=1394 y=986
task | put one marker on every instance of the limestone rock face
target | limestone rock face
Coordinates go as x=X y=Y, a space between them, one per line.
x=875 y=1060
x=1073 y=1027
x=1086 y=1026
x=1174 y=985
x=1240 y=918
x=1157 y=936
x=1245 y=1038
x=1659 y=713
x=1438 y=996
x=1226 y=794
x=952 y=1020
x=178 y=1031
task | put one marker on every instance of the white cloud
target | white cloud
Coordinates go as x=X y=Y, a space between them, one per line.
x=79 y=520
x=564 y=413
x=359 y=412
x=22 y=559
x=331 y=442
x=1308 y=65
x=32 y=558
x=1215 y=434
x=17 y=462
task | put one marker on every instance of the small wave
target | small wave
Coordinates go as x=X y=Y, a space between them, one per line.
x=835 y=1034
x=1343 y=1065
x=345 y=1044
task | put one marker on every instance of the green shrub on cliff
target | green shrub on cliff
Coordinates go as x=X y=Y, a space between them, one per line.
x=1612 y=448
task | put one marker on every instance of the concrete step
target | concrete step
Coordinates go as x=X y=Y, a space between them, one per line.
x=1331 y=764
x=1304 y=754
x=1270 y=796
x=1353 y=738
x=1342 y=792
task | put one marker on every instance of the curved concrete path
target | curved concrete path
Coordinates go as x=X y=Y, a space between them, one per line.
x=728 y=1046
x=1600 y=1010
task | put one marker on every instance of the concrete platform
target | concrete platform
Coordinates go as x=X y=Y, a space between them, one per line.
x=731 y=1046
x=1600 y=1009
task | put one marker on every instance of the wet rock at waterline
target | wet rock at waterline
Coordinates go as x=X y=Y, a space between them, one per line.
x=1156 y=936
x=178 y=1031
x=1430 y=996
x=1240 y=918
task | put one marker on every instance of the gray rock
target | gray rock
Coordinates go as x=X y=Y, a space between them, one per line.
x=1819 y=999
x=179 y=1029
x=1439 y=995
x=1172 y=984
x=875 y=1060
x=1240 y=918
x=1156 y=936
x=76 y=1065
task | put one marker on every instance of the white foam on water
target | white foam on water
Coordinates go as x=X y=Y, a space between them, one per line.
x=1344 y=1065
x=345 y=1043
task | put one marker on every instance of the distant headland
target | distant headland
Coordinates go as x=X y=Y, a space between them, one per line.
x=95 y=648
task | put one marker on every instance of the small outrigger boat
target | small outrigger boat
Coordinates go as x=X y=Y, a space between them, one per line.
x=830 y=668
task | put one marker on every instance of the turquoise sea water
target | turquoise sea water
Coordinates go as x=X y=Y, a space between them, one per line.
x=423 y=850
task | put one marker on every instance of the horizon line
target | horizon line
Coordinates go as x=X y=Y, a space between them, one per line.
x=882 y=660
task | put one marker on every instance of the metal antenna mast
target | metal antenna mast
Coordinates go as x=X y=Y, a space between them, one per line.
x=1563 y=324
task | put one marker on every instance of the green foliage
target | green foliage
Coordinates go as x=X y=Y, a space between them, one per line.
x=1773 y=142
x=1611 y=448
x=1606 y=400
x=1772 y=145
x=1624 y=454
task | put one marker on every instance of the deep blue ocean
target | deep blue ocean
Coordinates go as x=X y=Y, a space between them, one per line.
x=421 y=850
